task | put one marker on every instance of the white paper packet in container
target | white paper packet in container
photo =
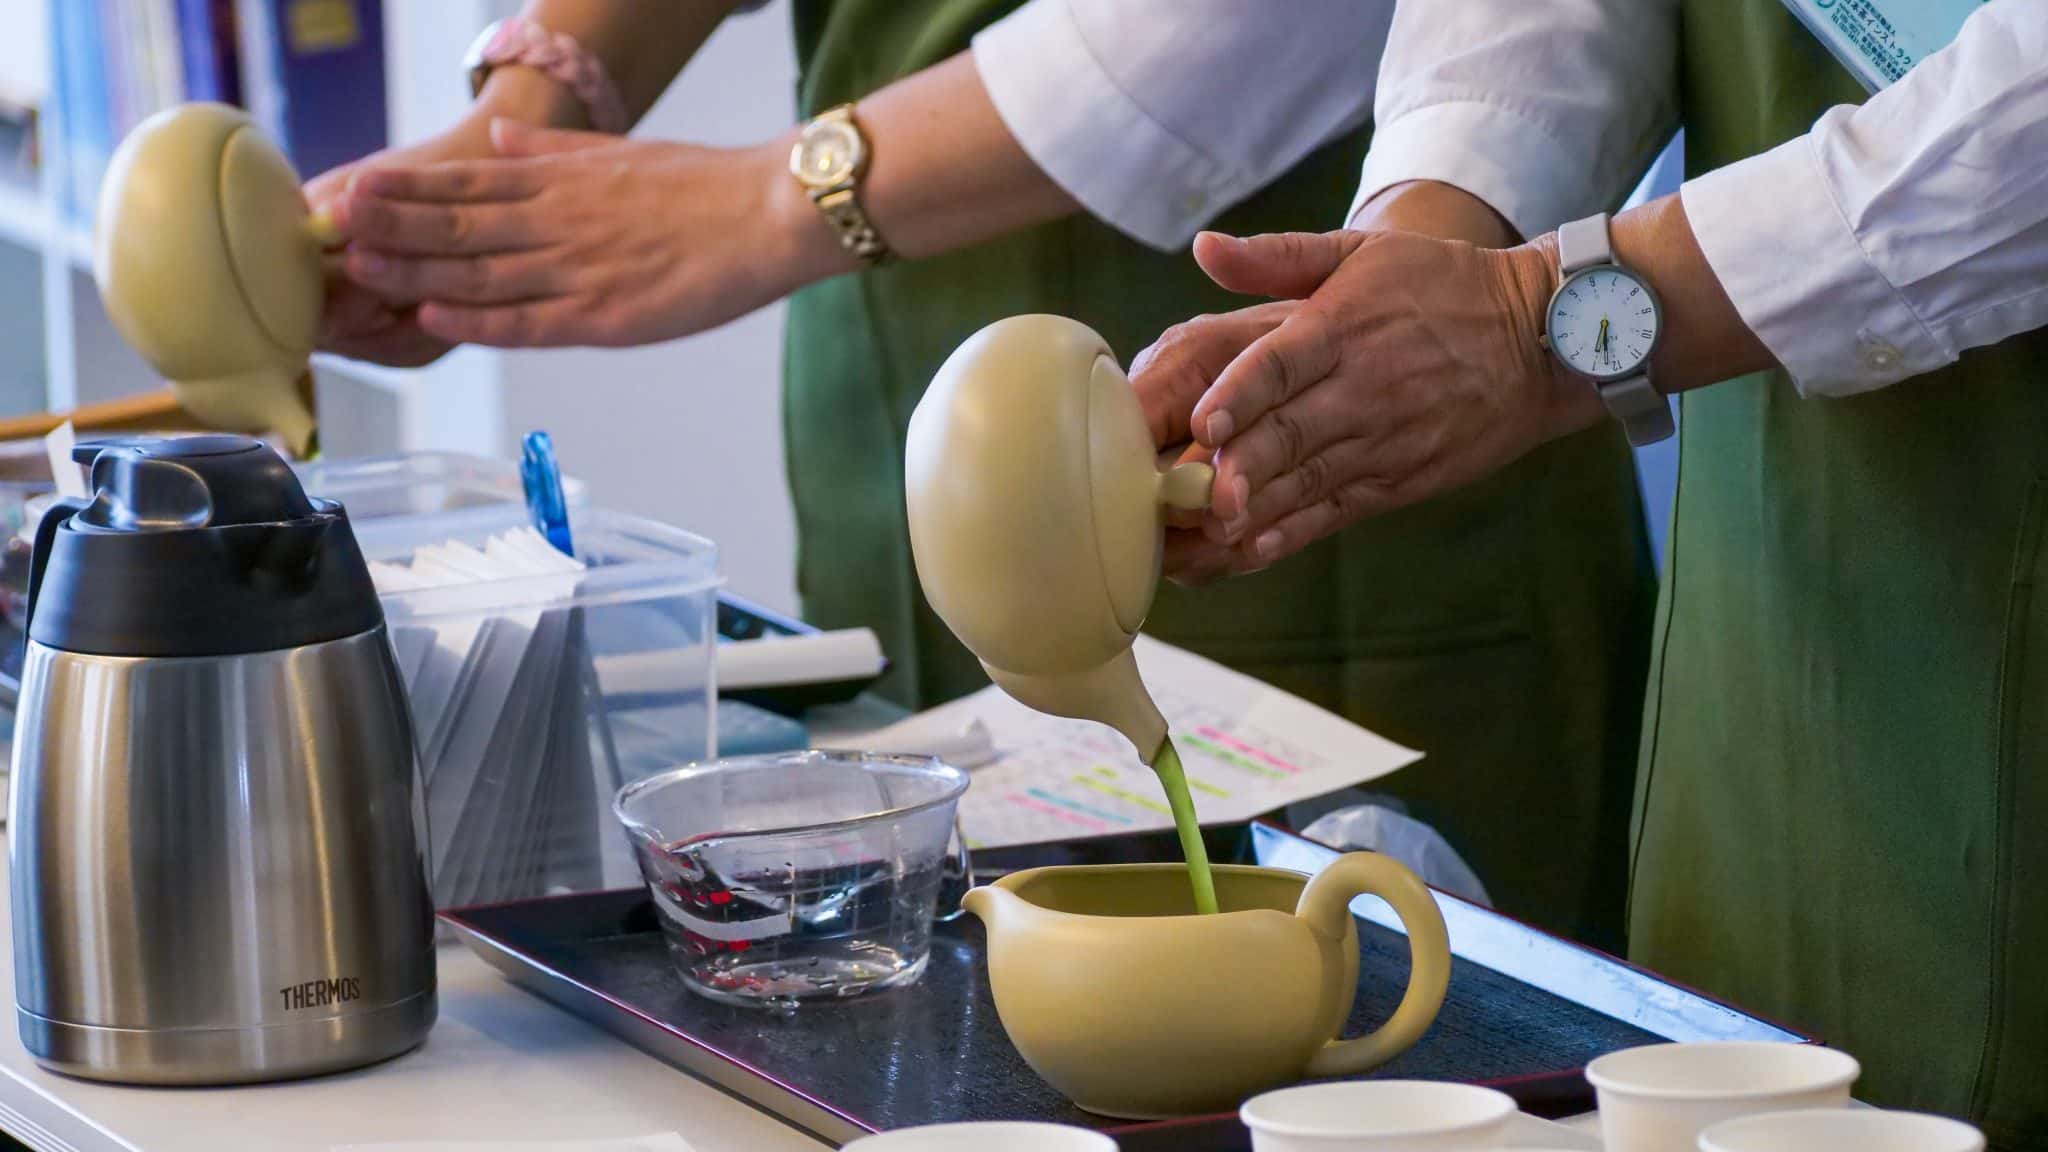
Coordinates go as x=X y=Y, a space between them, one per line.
x=498 y=636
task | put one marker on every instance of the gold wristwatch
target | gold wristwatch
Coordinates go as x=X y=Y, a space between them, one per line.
x=829 y=159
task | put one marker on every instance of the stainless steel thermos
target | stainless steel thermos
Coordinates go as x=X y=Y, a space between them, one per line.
x=217 y=830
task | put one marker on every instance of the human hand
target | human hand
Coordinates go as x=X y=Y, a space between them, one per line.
x=565 y=238
x=1170 y=377
x=355 y=322
x=1411 y=366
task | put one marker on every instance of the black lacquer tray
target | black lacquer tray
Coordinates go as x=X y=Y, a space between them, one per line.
x=1524 y=1013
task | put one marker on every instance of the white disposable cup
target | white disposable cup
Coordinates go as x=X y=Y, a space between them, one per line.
x=1844 y=1130
x=1378 y=1116
x=1658 y=1098
x=992 y=1136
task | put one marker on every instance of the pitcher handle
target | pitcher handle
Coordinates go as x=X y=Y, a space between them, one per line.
x=1326 y=905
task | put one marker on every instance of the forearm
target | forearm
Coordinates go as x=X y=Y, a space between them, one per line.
x=945 y=173
x=1704 y=338
x=643 y=44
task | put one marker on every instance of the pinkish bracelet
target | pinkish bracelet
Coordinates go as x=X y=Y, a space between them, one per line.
x=521 y=41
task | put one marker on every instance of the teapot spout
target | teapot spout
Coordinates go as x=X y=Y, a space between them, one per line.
x=259 y=400
x=1110 y=693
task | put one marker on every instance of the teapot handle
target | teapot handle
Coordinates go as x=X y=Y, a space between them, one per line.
x=1326 y=905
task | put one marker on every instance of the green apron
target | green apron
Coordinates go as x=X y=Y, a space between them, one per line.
x=1504 y=630
x=1847 y=730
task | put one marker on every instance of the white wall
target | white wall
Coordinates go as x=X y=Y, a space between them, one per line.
x=689 y=431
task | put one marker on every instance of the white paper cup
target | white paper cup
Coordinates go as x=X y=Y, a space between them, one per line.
x=995 y=1136
x=1846 y=1130
x=1378 y=1116
x=1658 y=1098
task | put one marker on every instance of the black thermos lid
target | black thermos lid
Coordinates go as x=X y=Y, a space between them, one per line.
x=195 y=546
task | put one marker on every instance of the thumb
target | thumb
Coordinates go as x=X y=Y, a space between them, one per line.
x=1284 y=265
x=513 y=138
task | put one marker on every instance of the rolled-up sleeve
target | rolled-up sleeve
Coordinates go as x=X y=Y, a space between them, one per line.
x=1547 y=111
x=1156 y=115
x=1894 y=235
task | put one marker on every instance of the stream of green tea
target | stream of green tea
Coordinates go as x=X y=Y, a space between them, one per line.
x=1166 y=765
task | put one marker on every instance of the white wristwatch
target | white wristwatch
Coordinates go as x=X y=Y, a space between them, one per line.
x=1603 y=323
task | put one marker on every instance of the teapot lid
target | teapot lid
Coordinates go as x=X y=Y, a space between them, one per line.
x=195 y=546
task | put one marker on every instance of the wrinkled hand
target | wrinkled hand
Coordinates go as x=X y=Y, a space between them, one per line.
x=1411 y=366
x=357 y=323
x=566 y=238
x=1171 y=377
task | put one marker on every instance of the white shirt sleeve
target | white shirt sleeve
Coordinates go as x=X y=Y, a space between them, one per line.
x=1549 y=111
x=1156 y=115
x=1894 y=235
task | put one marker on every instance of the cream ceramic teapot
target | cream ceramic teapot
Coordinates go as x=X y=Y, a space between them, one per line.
x=208 y=260
x=1035 y=501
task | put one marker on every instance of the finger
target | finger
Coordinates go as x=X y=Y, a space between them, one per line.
x=513 y=138
x=451 y=182
x=407 y=228
x=1343 y=507
x=554 y=323
x=499 y=279
x=349 y=309
x=1270 y=371
x=1289 y=439
x=1172 y=374
x=1290 y=265
x=1316 y=479
x=387 y=337
x=323 y=190
x=1193 y=560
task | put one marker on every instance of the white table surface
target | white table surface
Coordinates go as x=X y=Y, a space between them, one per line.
x=501 y=1065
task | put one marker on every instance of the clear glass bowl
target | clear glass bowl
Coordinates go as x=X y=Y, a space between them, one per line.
x=798 y=876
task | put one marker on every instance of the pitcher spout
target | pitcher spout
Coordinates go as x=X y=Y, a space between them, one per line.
x=984 y=902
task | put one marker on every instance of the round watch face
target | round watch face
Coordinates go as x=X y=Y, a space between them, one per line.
x=827 y=153
x=1603 y=323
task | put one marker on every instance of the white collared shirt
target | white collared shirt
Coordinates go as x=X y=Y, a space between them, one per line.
x=1878 y=246
x=1156 y=115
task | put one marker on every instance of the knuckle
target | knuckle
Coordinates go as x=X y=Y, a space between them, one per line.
x=1314 y=476
x=1275 y=366
x=473 y=275
x=1289 y=436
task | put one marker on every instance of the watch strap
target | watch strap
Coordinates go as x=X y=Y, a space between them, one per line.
x=1643 y=411
x=856 y=234
x=1583 y=244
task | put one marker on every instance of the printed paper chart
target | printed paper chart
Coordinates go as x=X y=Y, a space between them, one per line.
x=1247 y=748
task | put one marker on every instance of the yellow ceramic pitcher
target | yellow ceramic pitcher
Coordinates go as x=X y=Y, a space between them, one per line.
x=1132 y=1006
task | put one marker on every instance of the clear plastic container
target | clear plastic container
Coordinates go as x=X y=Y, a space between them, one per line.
x=800 y=876
x=422 y=484
x=522 y=742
